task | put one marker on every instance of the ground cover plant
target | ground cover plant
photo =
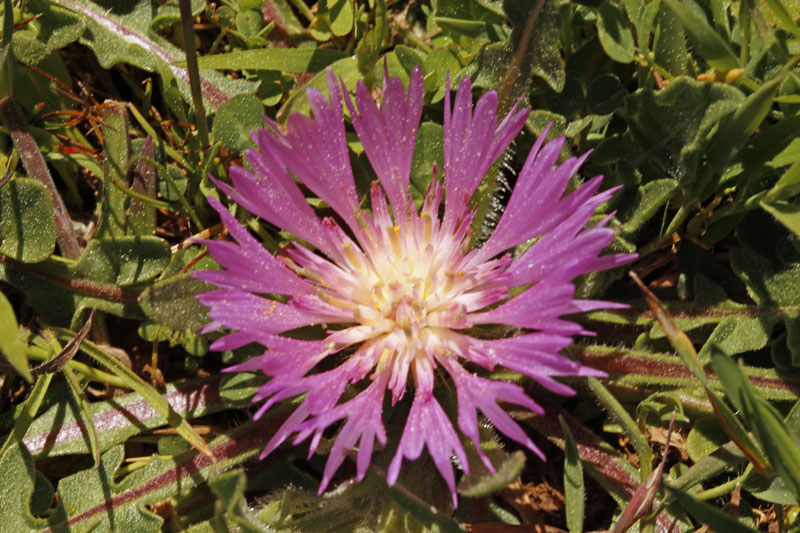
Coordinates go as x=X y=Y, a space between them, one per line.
x=151 y=239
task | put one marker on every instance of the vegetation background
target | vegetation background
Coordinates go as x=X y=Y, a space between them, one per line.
x=113 y=114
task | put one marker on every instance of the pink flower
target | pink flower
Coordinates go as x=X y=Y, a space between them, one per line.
x=398 y=288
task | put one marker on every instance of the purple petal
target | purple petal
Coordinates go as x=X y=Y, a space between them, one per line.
x=242 y=310
x=428 y=426
x=472 y=143
x=389 y=134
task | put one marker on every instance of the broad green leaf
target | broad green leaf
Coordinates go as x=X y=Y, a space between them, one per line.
x=614 y=33
x=27 y=227
x=648 y=200
x=235 y=121
x=123 y=261
x=786 y=19
x=540 y=54
x=705 y=437
x=668 y=128
x=281 y=59
x=709 y=45
x=341 y=16
x=54 y=26
x=10 y=344
x=428 y=151
x=229 y=490
x=604 y=95
x=786 y=213
x=17 y=478
x=173 y=303
x=632 y=370
x=50 y=290
x=574 y=491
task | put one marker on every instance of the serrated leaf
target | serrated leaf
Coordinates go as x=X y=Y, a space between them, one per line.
x=27 y=226
x=614 y=34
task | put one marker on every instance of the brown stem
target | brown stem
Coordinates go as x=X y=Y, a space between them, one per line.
x=12 y=116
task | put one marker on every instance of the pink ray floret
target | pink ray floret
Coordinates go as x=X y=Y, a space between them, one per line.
x=397 y=289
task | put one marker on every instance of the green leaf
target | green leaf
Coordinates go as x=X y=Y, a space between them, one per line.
x=685 y=349
x=27 y=226
x=236 y=119
x=480 y=482
x=709 y=45
x=123 y=261
x=341 y=16
x=10 y=344
x=280 y=59
x=669 y=42
x=648 y=200
x=708 y=515
x=668 y=128
x=764 y=420
x=428 y=151
x=17 y=478
x=113 y=219
x=734 y=130
x=614 y=34
x=786 y=213
x=574 y=491
x=705 y=437
x=346 y=69
x=173 y=303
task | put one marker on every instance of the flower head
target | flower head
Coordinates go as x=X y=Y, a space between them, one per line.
x=398 y=289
